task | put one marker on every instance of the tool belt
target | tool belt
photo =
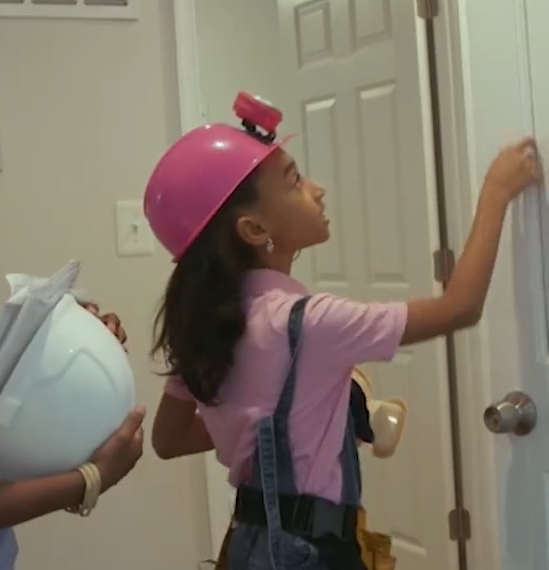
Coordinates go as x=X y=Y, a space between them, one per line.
x=375 y=547
x=303 y=515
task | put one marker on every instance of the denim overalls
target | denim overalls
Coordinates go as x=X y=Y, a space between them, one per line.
x=271 y=548
x=8 y=549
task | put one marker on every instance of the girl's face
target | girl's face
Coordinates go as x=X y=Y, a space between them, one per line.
x=289 y=211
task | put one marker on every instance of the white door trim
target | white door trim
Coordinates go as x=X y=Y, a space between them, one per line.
x=460 y=161
x=188 y=76
x=192 y=114
x=479 y=472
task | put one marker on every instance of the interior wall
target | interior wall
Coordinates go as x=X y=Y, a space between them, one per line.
x=86 y=107
x=255 y=54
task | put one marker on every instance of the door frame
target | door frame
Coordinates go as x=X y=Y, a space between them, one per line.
x=192 y=114
x=461 y=183
x=458 y=95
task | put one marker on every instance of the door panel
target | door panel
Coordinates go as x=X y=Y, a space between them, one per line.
x=524 y=462
x=354 y=75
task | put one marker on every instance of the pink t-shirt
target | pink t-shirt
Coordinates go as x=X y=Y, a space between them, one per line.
x=337 y=334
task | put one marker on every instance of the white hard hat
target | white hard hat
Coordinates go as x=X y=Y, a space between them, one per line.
x=69 y=392
x=387 y=417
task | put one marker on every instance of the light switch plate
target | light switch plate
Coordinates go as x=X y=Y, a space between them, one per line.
x=133 y=234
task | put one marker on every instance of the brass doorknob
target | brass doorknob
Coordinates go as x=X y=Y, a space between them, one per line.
x=515 y=414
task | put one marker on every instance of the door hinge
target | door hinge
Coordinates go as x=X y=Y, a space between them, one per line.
x=459 y=524
x=427 y=9
x=443 y=262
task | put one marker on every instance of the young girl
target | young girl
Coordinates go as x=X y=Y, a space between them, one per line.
x=26 y=500
x=268 y=366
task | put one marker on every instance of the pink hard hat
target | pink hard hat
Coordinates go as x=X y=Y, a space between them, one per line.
x=201 y=170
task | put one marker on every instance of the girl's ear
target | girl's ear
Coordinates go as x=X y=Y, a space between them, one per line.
x=251 y=231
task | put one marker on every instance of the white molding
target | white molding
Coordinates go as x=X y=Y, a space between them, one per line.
x=71 y=11
x=191 y=109
x=479 y=472
x=192 y=115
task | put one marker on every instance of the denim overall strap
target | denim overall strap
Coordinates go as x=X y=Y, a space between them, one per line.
x=272 y=469
x=285 y=467
x=279 y=450
x=350 y=466
x=8 y=549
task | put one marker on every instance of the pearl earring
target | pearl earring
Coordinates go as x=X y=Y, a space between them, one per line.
x=269 y=246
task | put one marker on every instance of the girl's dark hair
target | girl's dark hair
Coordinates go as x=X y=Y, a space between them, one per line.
x=202 y=317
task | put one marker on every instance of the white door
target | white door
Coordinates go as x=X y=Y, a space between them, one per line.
x=350 y=77
x=524 y=462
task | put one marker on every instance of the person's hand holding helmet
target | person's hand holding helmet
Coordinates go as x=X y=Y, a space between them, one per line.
x=111 y=321
x=119 y=454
